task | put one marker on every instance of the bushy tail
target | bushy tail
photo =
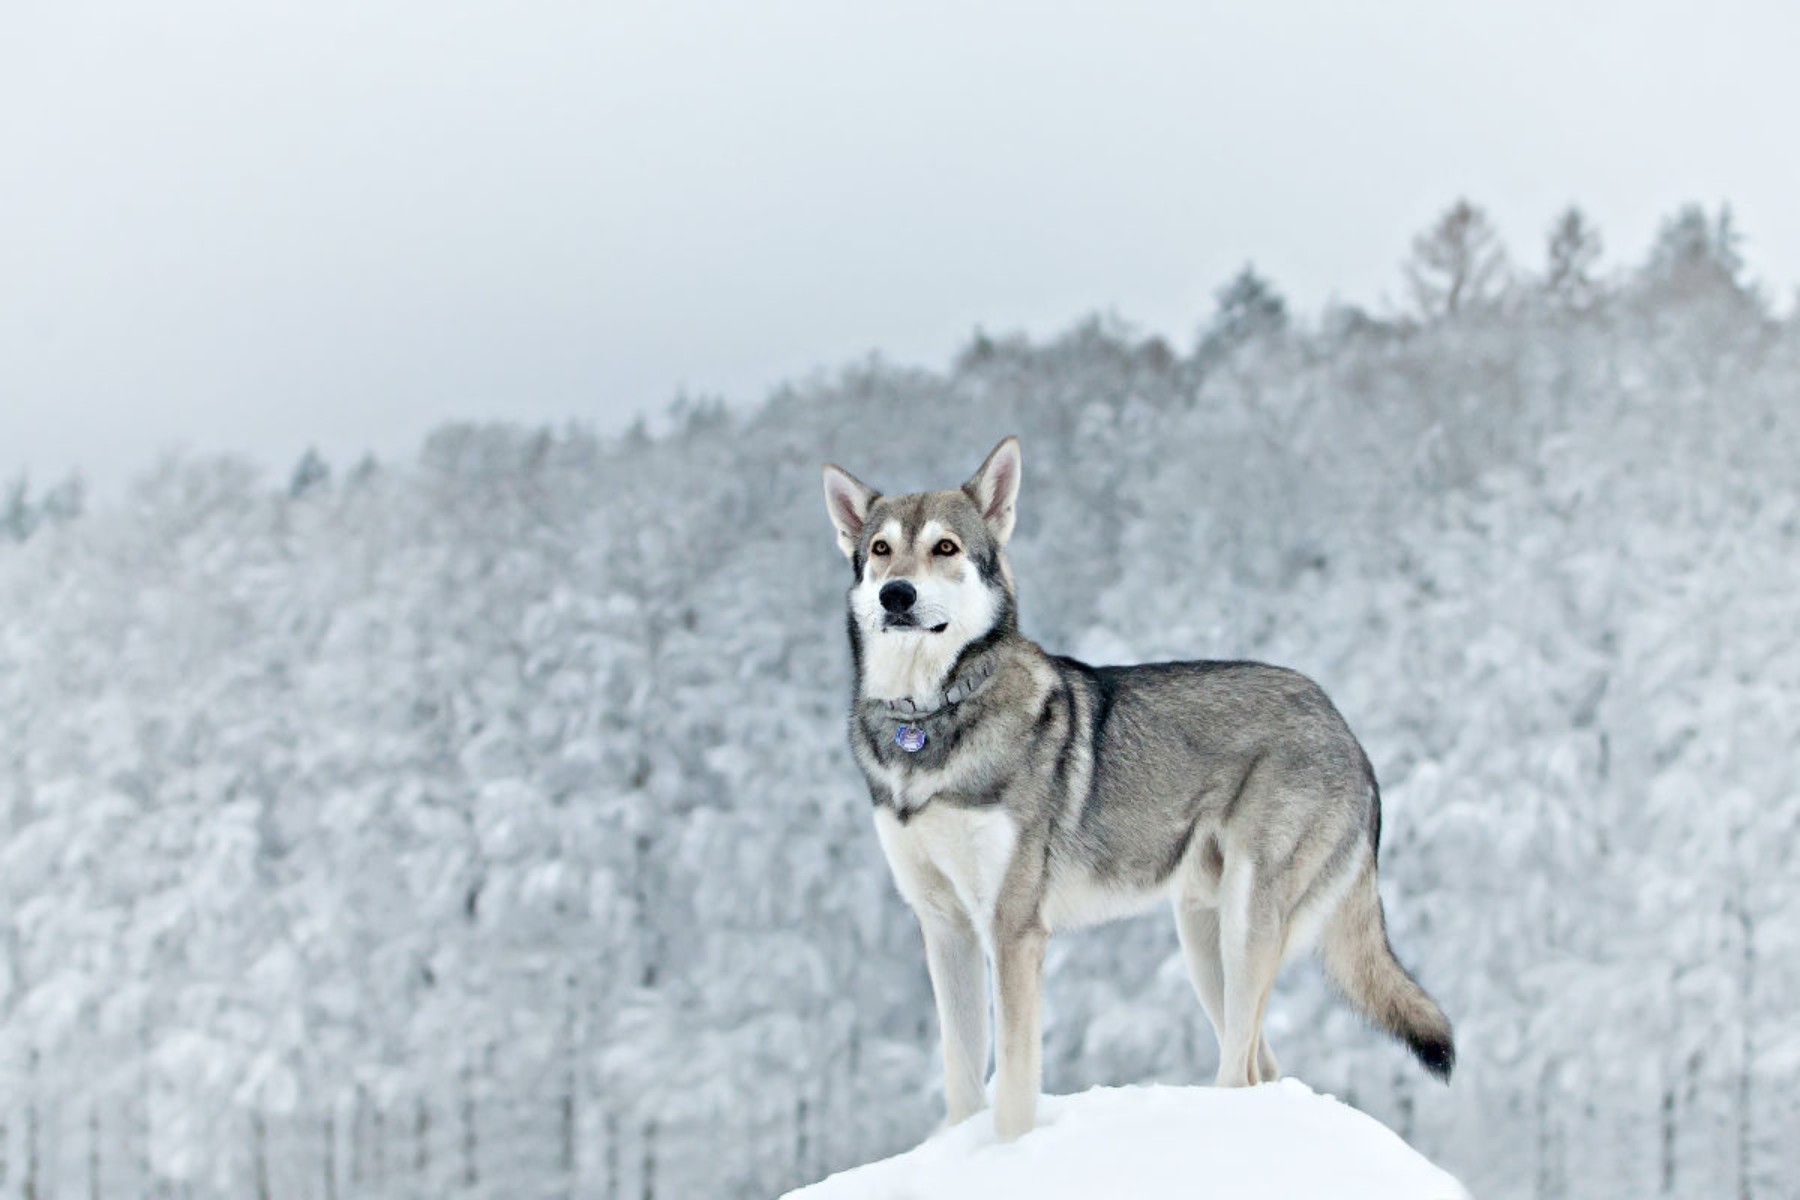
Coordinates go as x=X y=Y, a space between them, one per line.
x=1359 y=960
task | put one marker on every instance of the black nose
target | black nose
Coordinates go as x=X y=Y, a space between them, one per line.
x=898 y=596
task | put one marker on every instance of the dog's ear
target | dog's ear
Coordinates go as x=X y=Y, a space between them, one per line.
x=995 y=488
x=847 y=500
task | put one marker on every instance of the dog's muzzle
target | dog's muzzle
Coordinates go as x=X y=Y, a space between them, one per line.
x=897 y=599
x=898 y=596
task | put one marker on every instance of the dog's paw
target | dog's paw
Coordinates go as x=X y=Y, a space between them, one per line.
x=1013 y=1122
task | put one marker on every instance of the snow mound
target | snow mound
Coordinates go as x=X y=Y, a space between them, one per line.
x=1146 y=1143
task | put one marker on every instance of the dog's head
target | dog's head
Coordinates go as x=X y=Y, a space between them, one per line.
x=931 y=570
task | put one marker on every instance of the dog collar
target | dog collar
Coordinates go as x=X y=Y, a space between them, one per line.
x=912 y=711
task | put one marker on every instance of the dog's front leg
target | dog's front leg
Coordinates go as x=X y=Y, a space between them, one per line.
x=1019 y=979
x=953 y=956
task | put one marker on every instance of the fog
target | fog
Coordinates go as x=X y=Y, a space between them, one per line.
x=259 y=228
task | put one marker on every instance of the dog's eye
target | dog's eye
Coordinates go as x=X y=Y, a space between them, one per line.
x=878 y=548
x=945 y=548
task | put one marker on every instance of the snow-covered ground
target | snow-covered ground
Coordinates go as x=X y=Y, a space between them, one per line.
x=1279 y=1140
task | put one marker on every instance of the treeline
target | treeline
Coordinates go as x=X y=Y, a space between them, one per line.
x=482 y=826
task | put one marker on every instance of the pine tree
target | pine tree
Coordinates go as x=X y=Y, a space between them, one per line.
x=18 y=518
x=310 y=474
x=1695 y=255
x=66 y=501
x=1249 y=308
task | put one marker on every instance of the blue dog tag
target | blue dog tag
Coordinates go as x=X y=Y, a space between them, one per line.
x=910 y=738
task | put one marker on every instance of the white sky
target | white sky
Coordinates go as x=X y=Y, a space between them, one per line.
x=258 y=226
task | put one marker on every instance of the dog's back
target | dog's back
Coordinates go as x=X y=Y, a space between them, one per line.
x=1253 y=755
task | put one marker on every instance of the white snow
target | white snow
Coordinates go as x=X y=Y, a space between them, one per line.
x=1278 y=1140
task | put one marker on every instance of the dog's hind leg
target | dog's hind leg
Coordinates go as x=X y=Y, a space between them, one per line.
x=1250 y=944
x=1198 y=928
x=1267 y=1069
x=959 y=982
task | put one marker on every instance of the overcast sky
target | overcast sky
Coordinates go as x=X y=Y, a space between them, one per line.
x=250 y=226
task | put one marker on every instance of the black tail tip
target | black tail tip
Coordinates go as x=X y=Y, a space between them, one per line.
x=1436 y=1051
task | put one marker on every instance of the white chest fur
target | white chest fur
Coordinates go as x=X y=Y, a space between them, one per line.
x=946 y=859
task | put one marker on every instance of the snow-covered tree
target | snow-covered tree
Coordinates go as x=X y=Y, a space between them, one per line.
x=1456 y=264
x=1573 y=250
x=18 y=517
x=1249 y=308
x=483 y=826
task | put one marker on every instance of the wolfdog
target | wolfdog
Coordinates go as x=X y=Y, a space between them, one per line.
x=1018 y=792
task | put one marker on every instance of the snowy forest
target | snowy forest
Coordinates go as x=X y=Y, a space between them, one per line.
x=483 y=825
